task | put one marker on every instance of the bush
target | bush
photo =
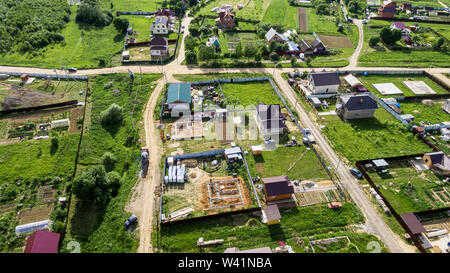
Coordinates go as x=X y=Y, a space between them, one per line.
x=121 y=24
x=274 y=56
x=112 y=115
x=374 y=41
x=55 y=143
x=90 y=12
x=92 y=187
x=108 y=160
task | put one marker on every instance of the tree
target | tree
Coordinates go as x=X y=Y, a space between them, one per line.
x=238 y=51
x=93 y=187
x=90 y=12
x=437 y=44
x=272 y=46
x=322 y=9
x=340 y=28
x=205 y=53
x=112 y=115
x=121 y=24
x=373 y=41
x=108 y=160
x=389 y=36
x=55 y=143
x=113 y=180
x=250 y=51
x=274 y=56
x=194 y=30
x=354 y=6
x=258 y=56
x=191 y=57
x=293 y=61
x=189 y=42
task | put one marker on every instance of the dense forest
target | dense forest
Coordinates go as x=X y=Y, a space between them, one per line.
x=28 y=25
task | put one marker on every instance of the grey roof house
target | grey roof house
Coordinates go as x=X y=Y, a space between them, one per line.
x=356 y=106
x=270 y=119
x=323 y=82
x=273 y=35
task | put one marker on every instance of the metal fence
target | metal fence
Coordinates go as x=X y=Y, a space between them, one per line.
x=48 y=76
x=388 y=108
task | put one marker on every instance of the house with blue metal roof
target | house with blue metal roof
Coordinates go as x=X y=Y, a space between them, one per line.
x=179 y=99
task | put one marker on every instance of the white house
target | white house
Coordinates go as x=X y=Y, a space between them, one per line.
x=161 y=25
x=323 y=82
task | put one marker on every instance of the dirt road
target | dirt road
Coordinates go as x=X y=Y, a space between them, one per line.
x=142 y=202
x=353 y=60
x=374 y=222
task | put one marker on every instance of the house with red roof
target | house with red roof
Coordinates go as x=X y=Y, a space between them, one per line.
x=225 y=20
x=42 y=241
x=387 y=10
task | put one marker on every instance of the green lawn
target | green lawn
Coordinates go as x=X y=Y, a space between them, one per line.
x=397 y=80
x=246 y=233
x=377 y=137
x=132 y=5
x=279 y=161
x=104 y=231
x=402 y=197
x=251 y=93
x=423 y=112
x=98 y=45
x=253 y=9
x=215 y=76
x=280 y=12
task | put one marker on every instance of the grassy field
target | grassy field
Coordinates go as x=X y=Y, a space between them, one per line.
x=97 y=45
x=101 y=229
x=425 y=193
x=403 y=58
x=377 y=137
x=240 y=231
x=280 y=12
x=215 y=76
x=423 y=112
x=132 y=5
x=252 y=9
x=397 y=80
x=251 y=93
x=281 y=162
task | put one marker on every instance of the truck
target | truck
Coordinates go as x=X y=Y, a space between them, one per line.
x=144 y=160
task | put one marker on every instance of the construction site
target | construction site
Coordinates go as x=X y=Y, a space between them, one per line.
x=221 y=193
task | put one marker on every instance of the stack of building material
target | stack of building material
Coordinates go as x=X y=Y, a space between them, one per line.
x=176 y=174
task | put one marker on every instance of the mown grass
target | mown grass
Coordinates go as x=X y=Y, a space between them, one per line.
x=301 y=222
x=105 y=231
x=98 y=44
x=377 y=137
x=216 y=76
x=279 y=161
x=250 y=93
x=253 y=9
x=280 y=12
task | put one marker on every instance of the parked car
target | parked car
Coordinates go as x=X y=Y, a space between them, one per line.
x=350 y=20
x=356 y=173
x=72 y=69
x=364 y=21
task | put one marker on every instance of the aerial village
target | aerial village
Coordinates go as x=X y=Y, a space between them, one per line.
x=221 y=127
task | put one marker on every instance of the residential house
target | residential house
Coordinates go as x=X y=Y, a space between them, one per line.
x=323 y=82
x=277 y=188
x=179 y=99
x=305 y=48
x=273 y=35
x=161 y=25
x=387 y=10
x=270 y=120
x=317 y=46
x=406 y=33
x=356 y=106
x=159 y=48
x=272 y=214
x=225 y=20
x=292 y=47
x=42 y=241
x=437 y=162
x=214 y=42
x=165 y=12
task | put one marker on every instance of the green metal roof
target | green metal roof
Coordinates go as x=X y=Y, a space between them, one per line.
x=179 y=92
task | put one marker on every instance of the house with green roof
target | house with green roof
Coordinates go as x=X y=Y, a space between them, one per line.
x=179 y=99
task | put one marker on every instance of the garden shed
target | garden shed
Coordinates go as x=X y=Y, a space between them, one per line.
x=380 y=163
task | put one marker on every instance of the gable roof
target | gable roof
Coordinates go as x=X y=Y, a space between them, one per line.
x=161 y=20
x=304 y=45
x=399 y=25
x=292 y=46
x=270 y=116
x=388 y=9
x=325 y=78
x=272 y=212
x=278 y=185
x=272 y=32
x=358 y=102
x=179 y=92
x=317 y=44
x=253 y=250
x=440 y=159
x=42 y=241
x=160 y=41
x=164 y=12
